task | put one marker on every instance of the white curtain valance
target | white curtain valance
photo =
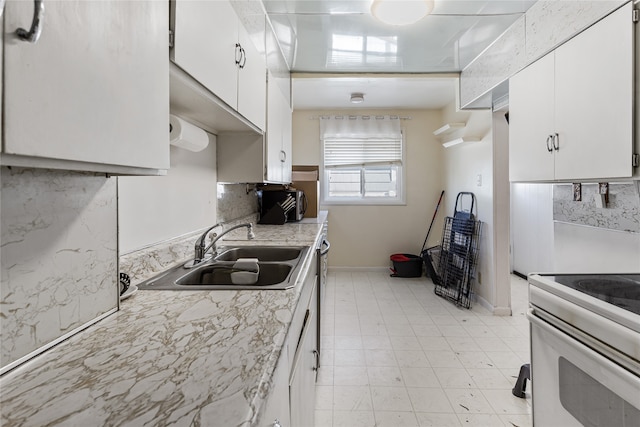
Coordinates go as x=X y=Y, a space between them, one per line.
x=360 y=127
x=361 y=140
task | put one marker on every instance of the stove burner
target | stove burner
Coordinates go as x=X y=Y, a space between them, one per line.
x=620 y=290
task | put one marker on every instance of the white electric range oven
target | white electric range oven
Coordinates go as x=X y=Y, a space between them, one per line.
x=585 y=349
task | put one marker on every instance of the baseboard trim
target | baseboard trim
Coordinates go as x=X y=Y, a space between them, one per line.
x=497 y=311
x=520 y=275
x=483 y=302
x=359 y=269
x=502 y=311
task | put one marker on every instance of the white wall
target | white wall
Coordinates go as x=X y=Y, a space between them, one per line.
x=589 y=237
x=153 y=209
x=463 y=164
x=551 y=233
x=365 y=236
x=532 y=227
x=501 y=213
x=584 y=249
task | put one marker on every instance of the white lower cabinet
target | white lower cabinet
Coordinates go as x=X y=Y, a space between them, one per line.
x=276 y=413
x=302 y=383
x=291 y=402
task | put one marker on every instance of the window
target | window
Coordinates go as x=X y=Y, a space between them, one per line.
x=362 y=160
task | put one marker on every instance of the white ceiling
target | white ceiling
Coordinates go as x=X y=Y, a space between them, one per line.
x=399 y=92
x=340 y=37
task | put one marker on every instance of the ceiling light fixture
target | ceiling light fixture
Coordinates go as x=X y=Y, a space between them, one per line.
x=401 y=12
x=357 y=98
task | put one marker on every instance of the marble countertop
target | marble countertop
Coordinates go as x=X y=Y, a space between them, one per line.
x=176 y=358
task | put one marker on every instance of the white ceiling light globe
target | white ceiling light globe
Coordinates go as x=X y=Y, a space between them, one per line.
x=401 y=12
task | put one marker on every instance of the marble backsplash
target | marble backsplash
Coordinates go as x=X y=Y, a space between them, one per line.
x=58 y=256
x=622 y=213
x=237 y=203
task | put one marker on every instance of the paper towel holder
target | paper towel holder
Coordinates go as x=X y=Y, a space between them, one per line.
x=186 y=135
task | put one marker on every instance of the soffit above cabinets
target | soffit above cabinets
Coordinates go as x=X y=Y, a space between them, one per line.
x=342 y=36
x=391 y=92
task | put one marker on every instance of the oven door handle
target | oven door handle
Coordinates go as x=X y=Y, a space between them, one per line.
x=326 y=245
x=561 y=329
x=614 y=376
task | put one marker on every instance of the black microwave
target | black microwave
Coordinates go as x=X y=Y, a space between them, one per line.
x=280 y=206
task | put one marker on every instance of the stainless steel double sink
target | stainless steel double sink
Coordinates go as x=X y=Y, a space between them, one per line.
x=278 y=269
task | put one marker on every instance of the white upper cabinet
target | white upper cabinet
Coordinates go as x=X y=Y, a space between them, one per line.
x=287 y=142
x=571 y=112
x=275 y=156
x=248 y=157
x=279 y=116
x=252 y=81
x=531 y=122
x=213 y=47
x=278 y=139
x=92 y=92
x=594 y=100
x=206 y=45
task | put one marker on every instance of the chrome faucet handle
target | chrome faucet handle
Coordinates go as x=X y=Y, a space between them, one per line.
x=200 y=247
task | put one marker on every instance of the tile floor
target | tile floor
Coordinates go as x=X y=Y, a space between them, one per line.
x=396 y=355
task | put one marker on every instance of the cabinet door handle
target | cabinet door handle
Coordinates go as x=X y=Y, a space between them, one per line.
x=238 y=53
x=243 y=57
x=316 y=355
x=33 y=34
x=556 y=142
x=550 y=143
x=283 y=156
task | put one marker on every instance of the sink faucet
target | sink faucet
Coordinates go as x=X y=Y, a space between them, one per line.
x=200 y=247
x=250 y=235
x=201 y=250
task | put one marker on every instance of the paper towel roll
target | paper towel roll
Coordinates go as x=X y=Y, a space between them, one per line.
x=185 y=135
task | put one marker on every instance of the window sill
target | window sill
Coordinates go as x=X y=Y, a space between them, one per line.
x=361 y=202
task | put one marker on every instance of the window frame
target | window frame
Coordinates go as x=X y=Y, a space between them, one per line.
x=398 y=200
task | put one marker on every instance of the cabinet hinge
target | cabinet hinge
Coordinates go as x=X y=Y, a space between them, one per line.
x=171 y=38
x=635 y=15
x=635 y=160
